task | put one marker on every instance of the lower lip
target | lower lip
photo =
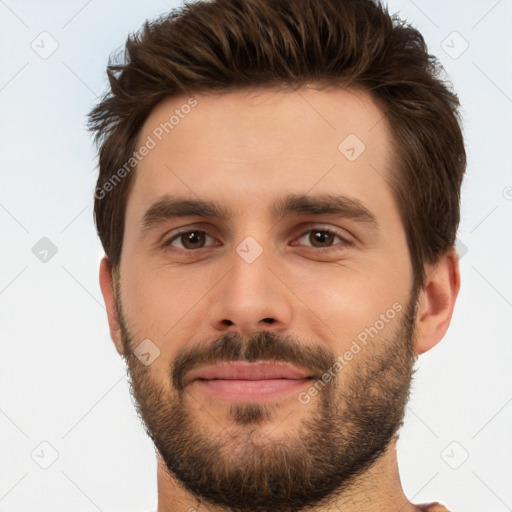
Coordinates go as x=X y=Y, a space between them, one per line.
x=252 y=390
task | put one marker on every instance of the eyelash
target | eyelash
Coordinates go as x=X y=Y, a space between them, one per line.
x=176 y=236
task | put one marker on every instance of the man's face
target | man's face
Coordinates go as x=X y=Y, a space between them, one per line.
x=323 y=296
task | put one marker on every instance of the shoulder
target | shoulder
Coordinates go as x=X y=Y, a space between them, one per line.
x=432 y=507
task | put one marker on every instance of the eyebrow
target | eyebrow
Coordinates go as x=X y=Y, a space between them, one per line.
x=171 y=207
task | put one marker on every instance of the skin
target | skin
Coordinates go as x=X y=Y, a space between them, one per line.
x=244 y=149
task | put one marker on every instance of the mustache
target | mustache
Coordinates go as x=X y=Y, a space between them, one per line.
x=261 y=346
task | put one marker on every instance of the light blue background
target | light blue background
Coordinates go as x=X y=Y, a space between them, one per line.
x=61 y=381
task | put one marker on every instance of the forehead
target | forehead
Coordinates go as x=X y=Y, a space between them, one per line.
x=249 y=146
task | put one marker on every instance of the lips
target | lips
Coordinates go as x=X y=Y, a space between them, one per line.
x=241 y=370
x=249 y=382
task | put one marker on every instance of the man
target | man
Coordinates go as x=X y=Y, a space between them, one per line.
x=278 y=201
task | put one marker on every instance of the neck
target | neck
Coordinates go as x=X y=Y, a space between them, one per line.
x=377 y=489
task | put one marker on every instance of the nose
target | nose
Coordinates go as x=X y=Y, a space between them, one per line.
x=251 y=297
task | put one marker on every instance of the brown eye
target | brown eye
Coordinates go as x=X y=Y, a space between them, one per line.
x=189 y=240
x=322 y=238
x=193 y=239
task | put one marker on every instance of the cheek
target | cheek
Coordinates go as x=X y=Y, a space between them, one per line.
x=160 y=303
x=343 y=297
x=351 y=296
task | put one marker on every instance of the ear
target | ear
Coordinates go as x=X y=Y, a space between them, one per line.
x=107 y=290
x=436 y=301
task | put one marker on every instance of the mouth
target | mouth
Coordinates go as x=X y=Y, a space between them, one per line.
x=249 y=382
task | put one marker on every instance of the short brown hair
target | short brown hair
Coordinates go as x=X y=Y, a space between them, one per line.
x=222 y=45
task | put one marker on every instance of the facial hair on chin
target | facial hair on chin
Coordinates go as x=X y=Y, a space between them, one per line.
x=344 y=431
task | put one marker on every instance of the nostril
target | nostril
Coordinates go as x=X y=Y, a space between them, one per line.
x=268 y=320
x=227 y=322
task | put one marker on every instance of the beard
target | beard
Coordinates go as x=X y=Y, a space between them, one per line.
x=342 y=431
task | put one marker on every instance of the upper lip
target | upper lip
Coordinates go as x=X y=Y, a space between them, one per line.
x=247 y=371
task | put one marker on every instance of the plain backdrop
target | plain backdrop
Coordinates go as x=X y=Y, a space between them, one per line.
x=70 y=438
